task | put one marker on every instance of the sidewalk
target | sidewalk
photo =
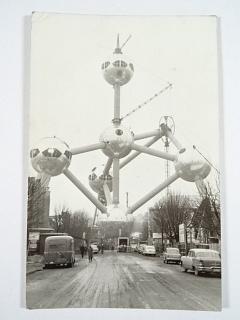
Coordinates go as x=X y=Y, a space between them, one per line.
x=35 y=263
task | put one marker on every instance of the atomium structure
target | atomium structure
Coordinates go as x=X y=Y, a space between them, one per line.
x=52 y=156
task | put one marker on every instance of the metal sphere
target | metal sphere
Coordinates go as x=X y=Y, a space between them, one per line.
x=118 y=140
x=191 y=166
x=118 y=69
x=51 y=156
x=96 y=180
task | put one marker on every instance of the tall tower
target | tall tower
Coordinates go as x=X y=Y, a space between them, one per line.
x=170 y=125
x=117 y=71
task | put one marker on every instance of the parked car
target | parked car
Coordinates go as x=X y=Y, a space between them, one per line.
x=140 y=249
x=59 y=250
x=172 y=254
x=149 y=251
x=94 y=248
x=202 y=261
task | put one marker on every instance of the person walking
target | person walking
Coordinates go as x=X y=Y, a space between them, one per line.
x=82 y=250
x=90 y=253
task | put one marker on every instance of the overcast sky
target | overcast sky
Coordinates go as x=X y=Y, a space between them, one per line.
x=71 y=100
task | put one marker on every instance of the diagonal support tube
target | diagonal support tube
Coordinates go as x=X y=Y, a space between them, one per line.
x=95 y=217
x=84 y=190
x=136 y=153
x=91 y=147
x=156 y=153
x=115 y=181
x=149 y=134
x=107 y=166
x=107 y=194
x=175 y=142
x=153 y=193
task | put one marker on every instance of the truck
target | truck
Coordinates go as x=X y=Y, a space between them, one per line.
x=123 y=244
x=59 y=250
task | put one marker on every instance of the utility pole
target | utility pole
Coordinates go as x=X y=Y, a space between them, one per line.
x=149 y=229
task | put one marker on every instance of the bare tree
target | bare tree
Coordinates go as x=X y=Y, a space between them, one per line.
x=58 y=221
x=208 y=213
x=72 y=223
x=169 y=212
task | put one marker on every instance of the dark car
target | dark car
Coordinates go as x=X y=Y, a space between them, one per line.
x=172 y=254
x=59 y=251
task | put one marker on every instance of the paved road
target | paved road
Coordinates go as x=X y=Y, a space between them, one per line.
x=123 y=280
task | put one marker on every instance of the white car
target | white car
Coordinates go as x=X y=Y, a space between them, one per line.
x=202 y=261
x=149 y=251
x=94 y=248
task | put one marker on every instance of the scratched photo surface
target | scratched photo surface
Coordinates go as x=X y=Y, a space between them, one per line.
x=123 y=182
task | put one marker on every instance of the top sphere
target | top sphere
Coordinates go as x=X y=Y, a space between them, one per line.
x=50 y=156
x=191 y=166
x=118 y=69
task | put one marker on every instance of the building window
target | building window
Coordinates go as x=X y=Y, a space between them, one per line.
x=131 y=66
x=34 y=153
x=107 y=64
x=117 y=63
x=68 y=154
x=52 y=152
x=123 y=64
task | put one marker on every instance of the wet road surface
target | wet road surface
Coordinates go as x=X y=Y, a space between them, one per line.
x=123 y=280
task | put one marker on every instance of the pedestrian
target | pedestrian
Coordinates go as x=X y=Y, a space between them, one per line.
x=82 y=250
x=90 y=253
x=101 y=248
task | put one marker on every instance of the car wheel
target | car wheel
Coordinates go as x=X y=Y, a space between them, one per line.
x=183 y=269
x=71 y=264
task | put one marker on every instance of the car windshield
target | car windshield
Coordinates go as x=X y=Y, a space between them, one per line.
x=150 y=247
x=172 y=250
x=205 y=254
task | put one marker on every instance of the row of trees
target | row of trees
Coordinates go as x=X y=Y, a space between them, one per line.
x=175 y=209
x=113 y=229
x=74 y=223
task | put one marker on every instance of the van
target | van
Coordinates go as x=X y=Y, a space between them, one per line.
x=59 y=250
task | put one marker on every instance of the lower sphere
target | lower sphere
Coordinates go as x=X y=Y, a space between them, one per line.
x=191 y=166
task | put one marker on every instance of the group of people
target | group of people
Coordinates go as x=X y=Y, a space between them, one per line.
x=89 y=250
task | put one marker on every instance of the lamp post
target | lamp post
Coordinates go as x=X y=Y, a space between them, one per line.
x=149 y=229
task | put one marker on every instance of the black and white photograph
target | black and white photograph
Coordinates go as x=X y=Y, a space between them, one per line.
x=124 y=173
